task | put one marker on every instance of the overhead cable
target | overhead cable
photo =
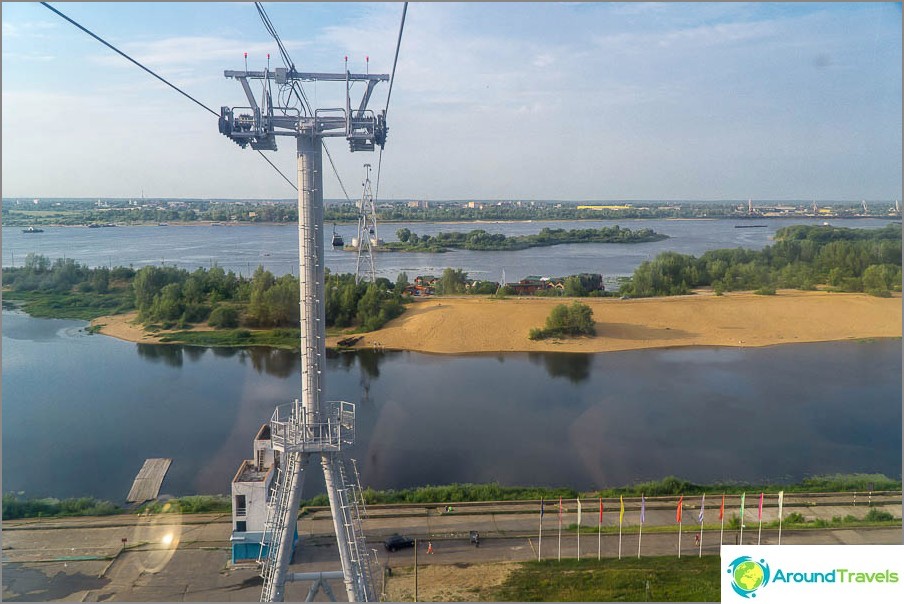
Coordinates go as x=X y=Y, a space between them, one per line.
x=173 y=86
x=287 y=61
x=116 y=50
x=389 y=94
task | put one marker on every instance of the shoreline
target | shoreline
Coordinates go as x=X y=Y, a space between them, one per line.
x=474 y=325
x=190 y=223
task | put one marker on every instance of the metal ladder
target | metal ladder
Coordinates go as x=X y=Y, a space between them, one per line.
x=278 y=516
x=350 y=508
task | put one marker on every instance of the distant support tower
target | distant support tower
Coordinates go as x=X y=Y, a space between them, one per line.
x=367 y=239
x=309 y=429
x=750 y=207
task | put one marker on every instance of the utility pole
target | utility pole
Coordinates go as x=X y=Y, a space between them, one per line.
x=309 y=428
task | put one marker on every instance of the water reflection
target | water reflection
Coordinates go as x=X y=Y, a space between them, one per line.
x=275 y=362
x=555 y=419
x=194 y=353
x=226 y=353
x=168 y=354
x=575 y=367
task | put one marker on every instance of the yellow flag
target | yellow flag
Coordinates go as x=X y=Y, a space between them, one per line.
x=621 y=513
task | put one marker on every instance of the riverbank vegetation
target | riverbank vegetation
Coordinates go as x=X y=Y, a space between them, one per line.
x=15 y=507
x=18 y=507
x=802 y=257
x=169 y=297
x=480 y=240
x=565 y=321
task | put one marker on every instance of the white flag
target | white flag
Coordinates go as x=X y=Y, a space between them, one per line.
x=579 y=513
x=781 y=499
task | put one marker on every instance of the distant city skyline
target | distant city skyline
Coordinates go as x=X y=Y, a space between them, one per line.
x=492 y=101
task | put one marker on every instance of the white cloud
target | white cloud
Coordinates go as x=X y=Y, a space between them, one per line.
x=35 y=29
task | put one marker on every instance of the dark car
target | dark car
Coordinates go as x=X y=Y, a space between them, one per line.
x=398 y=542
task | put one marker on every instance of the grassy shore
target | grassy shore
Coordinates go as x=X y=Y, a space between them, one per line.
x=16 y=507
x=659 y=579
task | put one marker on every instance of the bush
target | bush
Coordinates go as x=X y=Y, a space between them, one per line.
x=566 y=320
x=224 y=317
x=795 y=518
x=876 y=515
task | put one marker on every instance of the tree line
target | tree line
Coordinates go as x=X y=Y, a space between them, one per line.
x=174 y=297
x=802 y=257
x=481 y=240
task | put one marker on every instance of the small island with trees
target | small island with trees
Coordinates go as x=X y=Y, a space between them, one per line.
x=480 y=240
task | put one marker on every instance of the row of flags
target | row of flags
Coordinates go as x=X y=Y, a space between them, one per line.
x=678 y=519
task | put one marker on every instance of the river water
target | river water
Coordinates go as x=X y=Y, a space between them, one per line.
x=243 y=248
x=82 y=412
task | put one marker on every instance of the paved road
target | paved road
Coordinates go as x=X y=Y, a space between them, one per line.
x=85 y=558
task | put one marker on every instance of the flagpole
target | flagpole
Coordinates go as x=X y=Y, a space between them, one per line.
x=760 y=515
x=643 y=509
x=679 y=518
x=679 y=538
x=722 y=521
x=579 y=527
x=639 y=539
x=741 y=536
x=621 y=516
x=700 y=544
x=599 y=544
x=560 y=529
x=781 y=497
x=540 y=538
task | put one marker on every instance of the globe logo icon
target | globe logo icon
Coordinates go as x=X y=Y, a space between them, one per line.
x=748 y=575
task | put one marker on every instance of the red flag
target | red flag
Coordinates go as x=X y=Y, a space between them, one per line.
x=722 y=509
x=601 y=510
x=678 y=511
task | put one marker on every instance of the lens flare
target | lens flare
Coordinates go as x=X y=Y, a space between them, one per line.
x=157 y=536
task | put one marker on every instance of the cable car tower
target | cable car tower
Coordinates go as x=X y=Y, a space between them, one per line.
x=309 y=428
x=367 y=230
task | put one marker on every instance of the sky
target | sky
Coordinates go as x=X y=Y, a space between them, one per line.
x=550 y=101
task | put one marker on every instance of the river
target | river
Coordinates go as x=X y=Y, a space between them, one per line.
x=242 y=248
x=81 y=413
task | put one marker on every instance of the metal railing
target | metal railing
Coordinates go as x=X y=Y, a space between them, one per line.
x=293 y=428
x=278 y=516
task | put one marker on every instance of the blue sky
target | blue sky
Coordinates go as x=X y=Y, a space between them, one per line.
x=571 y=101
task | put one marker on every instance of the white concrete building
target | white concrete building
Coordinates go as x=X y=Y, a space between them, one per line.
x=250 y=495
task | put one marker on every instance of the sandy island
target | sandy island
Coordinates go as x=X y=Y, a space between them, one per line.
x=472 y=325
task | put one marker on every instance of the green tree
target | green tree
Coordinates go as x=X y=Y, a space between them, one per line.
x=167 y=305
x=258 y=310
x=574 y=287
x=573 y=319
x=452 y=282
x=224 y=317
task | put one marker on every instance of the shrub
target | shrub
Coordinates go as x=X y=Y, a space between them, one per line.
x=876 y=515
x=224 y=317
x=575 y=319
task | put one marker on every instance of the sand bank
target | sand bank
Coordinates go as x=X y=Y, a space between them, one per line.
x=469 y=325
x=473 y=325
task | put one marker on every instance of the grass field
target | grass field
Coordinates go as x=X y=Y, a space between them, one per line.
x=662 y=579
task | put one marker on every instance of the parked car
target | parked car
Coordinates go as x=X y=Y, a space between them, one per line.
x=398 y=542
